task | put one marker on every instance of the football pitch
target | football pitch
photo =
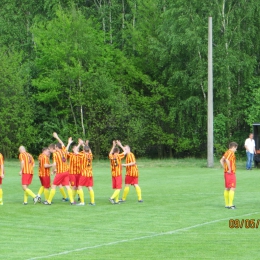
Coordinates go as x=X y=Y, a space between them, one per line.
x=182 y=217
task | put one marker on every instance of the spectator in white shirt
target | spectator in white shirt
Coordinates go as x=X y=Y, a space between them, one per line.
x=250 y=151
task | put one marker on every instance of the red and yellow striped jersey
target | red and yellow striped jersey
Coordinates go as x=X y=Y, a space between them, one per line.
x=43 y=159
x=87 y=164
x=115 y=163
x=75 y=163
x=60 y=158
x=1 y=162
x=230 y=155
x=131 y=170
x=28 y=161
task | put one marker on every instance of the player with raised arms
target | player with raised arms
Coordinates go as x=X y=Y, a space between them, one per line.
x=61 y=168
x=86 y=178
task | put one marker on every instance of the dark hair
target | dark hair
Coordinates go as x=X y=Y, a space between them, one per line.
x=116 y=150
x=233 y=144
x=52 y=146
x=58 y=145
x=86 y=148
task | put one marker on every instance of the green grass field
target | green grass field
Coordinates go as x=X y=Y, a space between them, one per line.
x=182 y=217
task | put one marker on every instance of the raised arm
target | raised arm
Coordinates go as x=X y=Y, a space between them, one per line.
x=55 y=135
x=87 y=144
x=113 y=146
x=120 y=145
x=70 y=141
x=125 y=150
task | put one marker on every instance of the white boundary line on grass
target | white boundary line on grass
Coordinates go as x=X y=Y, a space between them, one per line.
x=143 y=237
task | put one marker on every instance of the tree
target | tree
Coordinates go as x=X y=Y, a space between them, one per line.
x=16 y=113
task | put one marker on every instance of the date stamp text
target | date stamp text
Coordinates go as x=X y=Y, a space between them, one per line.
x=244 y=223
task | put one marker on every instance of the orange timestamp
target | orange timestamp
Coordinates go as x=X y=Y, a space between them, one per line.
x=244 y=223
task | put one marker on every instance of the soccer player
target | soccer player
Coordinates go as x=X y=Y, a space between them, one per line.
x=1 y=178
x=44 y=173
x=116 y=171
x=52 y=149
x=131 y=177
x=61 y=169
x=86 y=178
x=26 y=171
x=75 y=167
x=228 y=162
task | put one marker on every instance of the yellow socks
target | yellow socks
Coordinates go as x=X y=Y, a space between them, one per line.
x=92 y=196
x=81 y=195
x=29 y=192
x=1 y=197
x=138 y=192
x=40 y=191
x=25 y=197
x=70 y=195
x=231 y=197
x=125 y=193
x=226 y=197
x=74 y=193
x=116 y=195
x=46 y=194
x=51 y=195
x=63 y=193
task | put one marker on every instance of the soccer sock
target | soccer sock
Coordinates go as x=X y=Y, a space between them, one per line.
x=81 y=195
x=226 y=197
x=92 y=196
x=46 y=194
x=51 y=195
x=25 y=197
x=138 y=192
x=1 y=195
x=70 y=195
x=231 y=197
x=63 y=193
x=29 y=192
x=74 y=193
x=126 y=191
x=40 y=191
x=115 y=195
x=117 y=198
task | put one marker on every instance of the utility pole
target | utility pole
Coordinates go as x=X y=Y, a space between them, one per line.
x=210 y=154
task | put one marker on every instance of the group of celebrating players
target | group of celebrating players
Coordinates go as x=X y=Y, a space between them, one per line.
x=74 y=171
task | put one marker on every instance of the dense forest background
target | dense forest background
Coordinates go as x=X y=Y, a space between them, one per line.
x=134 y=70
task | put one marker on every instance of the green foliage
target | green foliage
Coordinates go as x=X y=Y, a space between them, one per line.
x=16 y=114
x=133 y=70
x=220 y=134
